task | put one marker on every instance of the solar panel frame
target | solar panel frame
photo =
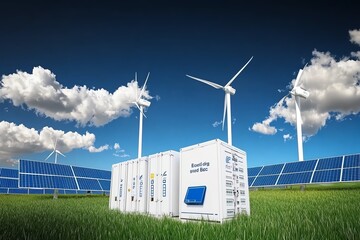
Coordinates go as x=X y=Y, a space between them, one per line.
x=352 y=161
x=268 y=180
x=271 y=169
x=326 y=176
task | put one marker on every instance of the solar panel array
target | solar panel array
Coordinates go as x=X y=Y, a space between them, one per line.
x=42 y=178
x=42 y=175
x=326 y=170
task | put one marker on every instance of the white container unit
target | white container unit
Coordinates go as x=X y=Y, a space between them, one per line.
x=136 y=185
x=128 y=191
x=163 y=184
x=118 y=186
x=213 y=182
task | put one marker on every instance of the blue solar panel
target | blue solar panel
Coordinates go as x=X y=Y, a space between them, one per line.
x=3 y=190
x=273 y=169
x=352 y=161
x=70 y=191
x=250 y=180
x=299 y=166
x=265 y=180
x=252 y=172
x=294 y=178
x=9 y=173
x=88 y=184
x=329 y=163
x=36 y=191
x=8 y=183
x=42 y=181
x=327 y=176
x=45 y=168
x=18 y=191
x=351 y=174
x=91 y=173
x=105 y=185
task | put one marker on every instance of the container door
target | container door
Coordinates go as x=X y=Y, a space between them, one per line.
x=123 y=186
x=142 y=177
x=114 y=193
x=152 y=184
x=165 y=194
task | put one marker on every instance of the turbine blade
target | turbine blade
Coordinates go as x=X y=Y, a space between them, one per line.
x=143 y=88
x=298 y=78
x=237 y=74
x=49 y=155
x=214 y=85
x=57 y=151
x=223 y=120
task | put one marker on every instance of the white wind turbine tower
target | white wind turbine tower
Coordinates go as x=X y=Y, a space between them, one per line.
x=55 y=151
x=228 y=91
x=140 y=103
x=298 y=92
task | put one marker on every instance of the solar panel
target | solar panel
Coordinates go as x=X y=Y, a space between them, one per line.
x=9 y=173
x=91 y=173
x=295 y=178
x=57 y=176
x=265 y=180
x=252 y=172
x=250 y=180
x=88 y=184
x=272 y=169
x=351 y=174
x=8 y=183
x=36 y=191
x=329 y=163
x=18 y=191
x=352 y=161
x=3 y=190
x=303 y=166
x=327 y=176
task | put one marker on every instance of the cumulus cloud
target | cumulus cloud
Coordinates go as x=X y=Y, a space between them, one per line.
x=355 y=36
x=287 y=137
x=19 y=140
x=40 y=91
x=93 y=149
x=116 y=146
x=334 y=94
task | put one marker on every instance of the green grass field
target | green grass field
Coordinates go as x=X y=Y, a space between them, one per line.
x=319 y=212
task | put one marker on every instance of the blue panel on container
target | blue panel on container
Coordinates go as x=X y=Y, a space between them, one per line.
x=252 y=172
x=88 y=184
x=195 y=195
x=8 y=183
x=250 y=180
x=45 y=168
x=329 y=163
x=269 y=180
x=18 y=191
x=327 y=176
x=352 y=161
x=105 y=185
x=36 y=191
x=294 y=178
x=299 y=166
x=273 y=169
x=9 y=173
x=41 y=181
x=91 y=173
x=351 y=174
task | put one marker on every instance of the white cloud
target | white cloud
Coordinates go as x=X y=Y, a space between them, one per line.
x=334 y=93
x=355 y=36
x=93 y=149
x=216 y=124
x=157 y=97
x=116 y=146
x=40 y=91
x=287 y=137
x=356 y=54
x=18 y=140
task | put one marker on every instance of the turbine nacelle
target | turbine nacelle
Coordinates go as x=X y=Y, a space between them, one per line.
x=229 y=89
x=300 y=92
x=143 y=102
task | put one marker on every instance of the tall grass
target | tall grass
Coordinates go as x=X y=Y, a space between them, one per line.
x=317 y=213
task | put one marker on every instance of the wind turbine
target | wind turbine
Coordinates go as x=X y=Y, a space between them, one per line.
x=298 y=92
x=55 y=151
x=228 y=91
x=140 y=103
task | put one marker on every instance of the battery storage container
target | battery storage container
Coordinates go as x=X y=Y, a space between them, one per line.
x=118 y=186
x=163 y=184
x=213 y=182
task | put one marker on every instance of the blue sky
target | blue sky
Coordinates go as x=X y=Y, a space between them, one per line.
x=101 y=46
